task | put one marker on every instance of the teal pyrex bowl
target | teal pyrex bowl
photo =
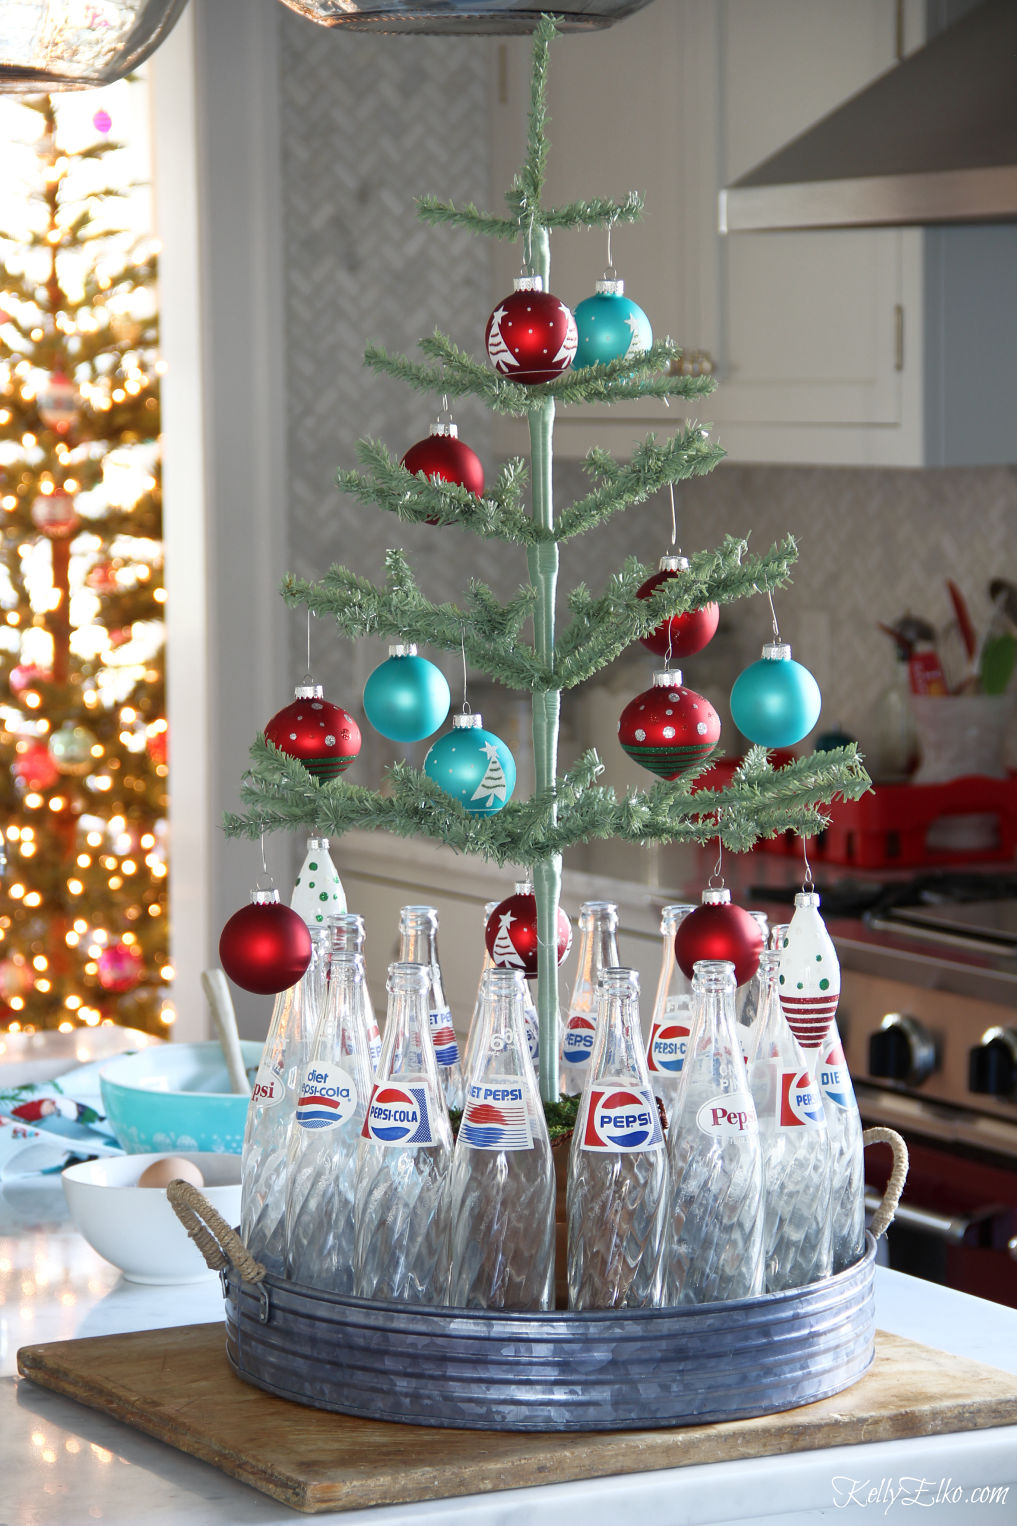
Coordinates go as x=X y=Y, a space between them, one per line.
x=176 y=1097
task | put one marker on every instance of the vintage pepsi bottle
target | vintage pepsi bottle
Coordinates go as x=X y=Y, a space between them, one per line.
x=271 y=1111
x=325 y=1138
x=669 y=1025
x=503 y=1186
x=809 y=986
x=347 y=934
x=794 y=1144
x=598 y=950
x=716 y=1214
x=616 y=1202
x=418 y=944
x=529 y=1010
x=401 y=1218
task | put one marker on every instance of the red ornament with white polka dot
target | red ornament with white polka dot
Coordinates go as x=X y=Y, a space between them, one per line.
x=323 y=737
x=681 y=635
x=669 y=729
x=531 y=335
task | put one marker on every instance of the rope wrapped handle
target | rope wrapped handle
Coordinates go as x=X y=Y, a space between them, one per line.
x=883 y=1216
x=220 y=1245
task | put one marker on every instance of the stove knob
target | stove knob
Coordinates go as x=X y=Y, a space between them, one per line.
x=992 y=1063
x=901 y=1050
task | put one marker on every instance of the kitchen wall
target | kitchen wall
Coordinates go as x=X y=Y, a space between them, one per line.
x=367 y=124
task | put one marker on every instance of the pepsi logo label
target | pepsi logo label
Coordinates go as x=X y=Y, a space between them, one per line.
x=374 y=1044
x=268 y=1090
x=669 y=1042
x=443 y=1036
x=327 y=1097
x=622 y=1118
x=532 y=1036
x=496 y=1116
x=835 y=1078
x=577 y=1045
x=729 y=1117
x=800 y=1101
x=399 y=1115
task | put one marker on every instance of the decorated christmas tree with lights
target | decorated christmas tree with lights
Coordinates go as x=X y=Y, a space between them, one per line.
x=83 y=739
x=539 y=357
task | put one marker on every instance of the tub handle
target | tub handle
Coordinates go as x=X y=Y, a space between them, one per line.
x=220 y=1245
x=883 y=1216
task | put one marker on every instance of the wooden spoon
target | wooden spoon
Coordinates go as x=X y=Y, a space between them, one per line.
x=225 y=1019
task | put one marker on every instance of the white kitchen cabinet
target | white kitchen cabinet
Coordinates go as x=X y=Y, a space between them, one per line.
x=819 y=338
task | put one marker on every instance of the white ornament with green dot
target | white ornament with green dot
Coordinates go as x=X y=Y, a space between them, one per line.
x=318 y=893
x=809 y=980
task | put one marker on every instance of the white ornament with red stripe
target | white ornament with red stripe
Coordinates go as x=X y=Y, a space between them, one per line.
x=809 y=981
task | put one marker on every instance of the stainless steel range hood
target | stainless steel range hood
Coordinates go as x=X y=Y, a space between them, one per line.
x=932 y=141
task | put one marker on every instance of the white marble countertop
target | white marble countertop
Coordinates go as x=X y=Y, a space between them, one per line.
x=62 y=1464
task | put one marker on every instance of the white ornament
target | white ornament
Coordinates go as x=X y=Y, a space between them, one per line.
x=809 y=980
x=318 y=892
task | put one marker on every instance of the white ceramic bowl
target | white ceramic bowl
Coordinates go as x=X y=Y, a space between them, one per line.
x=135 y=1227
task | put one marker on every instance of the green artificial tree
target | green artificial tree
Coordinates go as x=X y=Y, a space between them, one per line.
x=84 y=905
x=568 y=808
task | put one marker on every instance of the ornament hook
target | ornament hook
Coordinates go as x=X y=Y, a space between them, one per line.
x=717 y=872
x=264 y=882
x=467 y=708
x=674 y=518
x=773 y=617
x=808 y=884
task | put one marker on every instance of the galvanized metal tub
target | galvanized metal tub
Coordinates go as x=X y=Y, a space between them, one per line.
x=590 y=1371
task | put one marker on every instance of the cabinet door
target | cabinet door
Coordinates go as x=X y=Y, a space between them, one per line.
x=807 y=329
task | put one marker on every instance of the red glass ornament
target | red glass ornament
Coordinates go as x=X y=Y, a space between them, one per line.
x=531 y=336
x=25 y=675
x=102 y=578
x=54 y=514
x=35 y=768
x=719 y=930
x=669 y=729
x=157 y=746
x=265 y=947
x=58 y=403
x=511 y=932
x=321 y=736
x=681 y=635
x=443 y=455
x=120 y=967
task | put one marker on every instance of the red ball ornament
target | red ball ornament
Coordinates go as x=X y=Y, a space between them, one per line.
x=443 y=457
x=531 y=336
x=120 y=968
x=265 y=947
x=511 y=932
x=102 y=578
x=55 y=515
x=669 y=729
x=58 y=403
x=323 y=737
x=34 y=768
x=25 y=675
x=157 y=746
x=681 y=635
x=719 y=930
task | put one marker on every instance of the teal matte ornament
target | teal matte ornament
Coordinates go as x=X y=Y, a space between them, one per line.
x=775 y=702
x=407 y=697
x=472 y=765
x=611 y=326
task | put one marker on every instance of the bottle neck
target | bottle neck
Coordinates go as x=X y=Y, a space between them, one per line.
x=618 y=1039
x=418 y=933
x=501 y=1047
x=598 y=949
x=713 y=1012
x=408 y=1049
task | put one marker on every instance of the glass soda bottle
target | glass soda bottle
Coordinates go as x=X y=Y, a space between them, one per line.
x=794 y=1144
x=669 y=1025
x=598 y=950
x=347 y=933
x=418 y=944
x=324 y=1141
x=529 y=1010
x=401 y=1219
x=716 y=1229
x=809 y=985
x=503 y=1186
x=271 y=1111
x=616 y=1201
x=749 y=997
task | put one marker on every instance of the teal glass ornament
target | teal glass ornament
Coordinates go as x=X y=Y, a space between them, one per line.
x=775 y=701
x=611 y=326
x=407 y=697
x=472 y=765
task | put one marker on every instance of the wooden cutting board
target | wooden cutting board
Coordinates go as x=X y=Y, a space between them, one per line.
x=176 y=1385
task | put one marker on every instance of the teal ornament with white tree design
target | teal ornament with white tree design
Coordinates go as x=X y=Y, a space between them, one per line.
x=318 y=893
x=472 y=765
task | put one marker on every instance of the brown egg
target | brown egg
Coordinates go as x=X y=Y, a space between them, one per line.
x=171 y=1168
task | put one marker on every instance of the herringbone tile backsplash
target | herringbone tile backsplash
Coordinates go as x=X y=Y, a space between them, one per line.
x=371 y=122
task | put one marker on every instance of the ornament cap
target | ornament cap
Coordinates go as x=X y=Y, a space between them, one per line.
x=610 y=286
x=308 y=689
x=472 y=721
x=445 y=428
x=673 y=563
x=667 y=679
x=528 y=283
x=317 y=845
x=716 y=895
x=265 y=897
x=777 y=651
x=403 y=649
x=524 y=887
x=807 y=898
